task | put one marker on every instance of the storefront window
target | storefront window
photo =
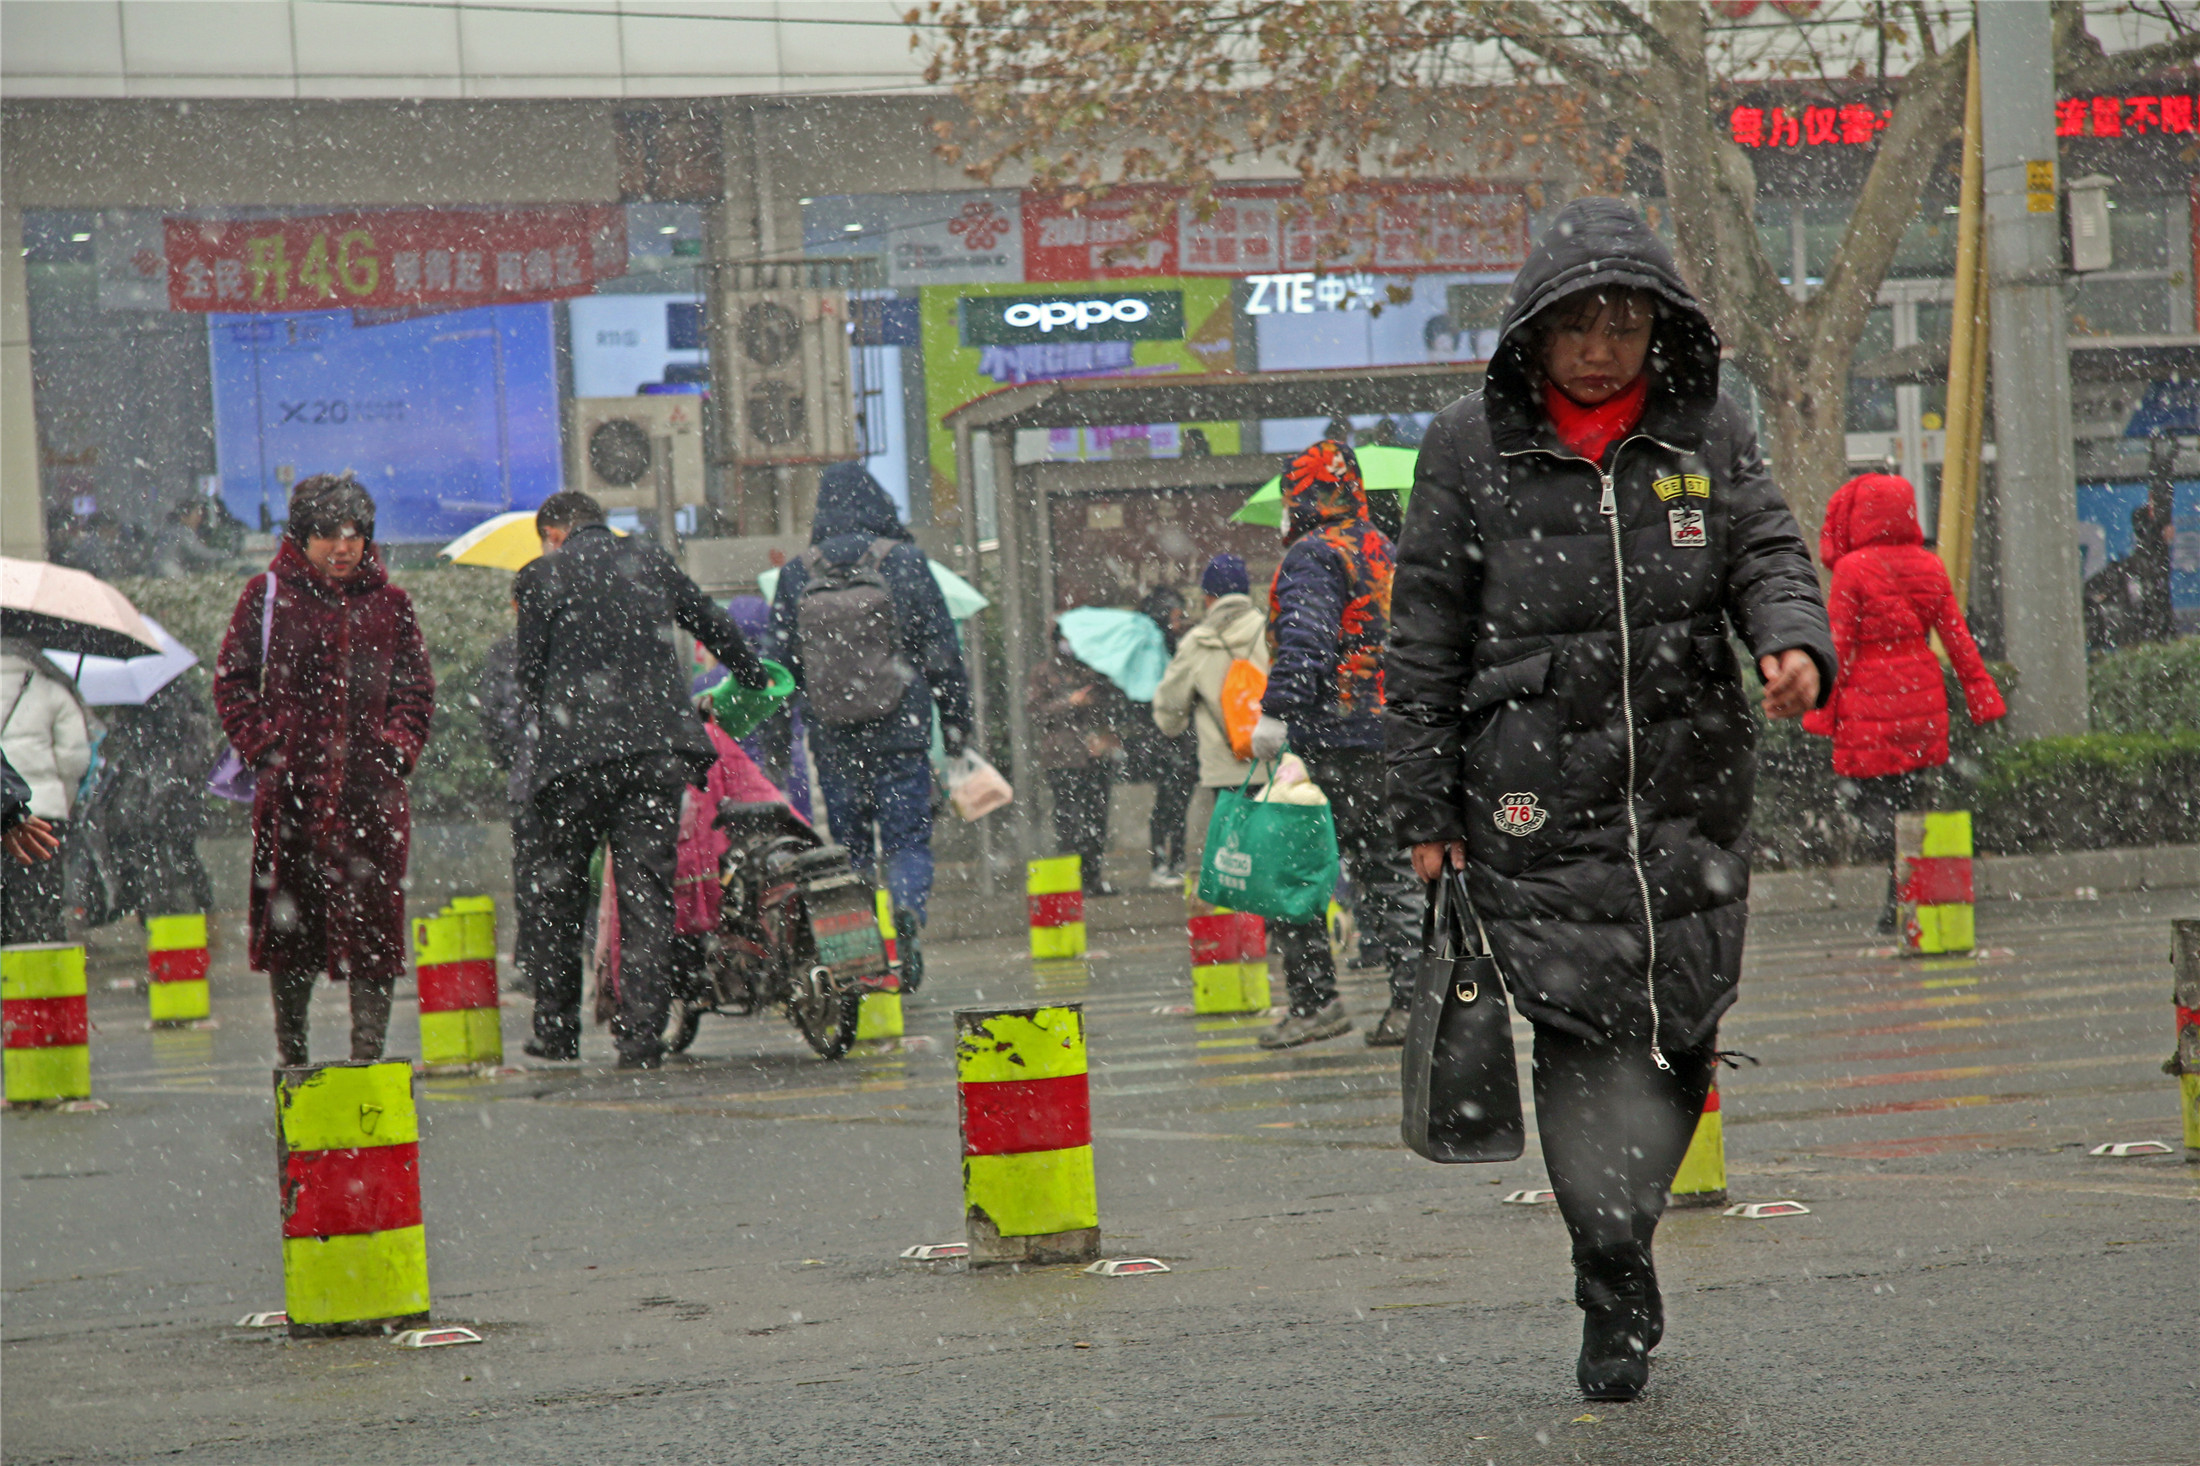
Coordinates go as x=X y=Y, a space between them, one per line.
x=2106 y=307
x=1928 y=248
x=2147 y=289
x=1871 y=406
x=1935 y=320
x=123 y=397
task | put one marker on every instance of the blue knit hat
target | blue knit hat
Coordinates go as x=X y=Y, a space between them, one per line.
x=1226 y=576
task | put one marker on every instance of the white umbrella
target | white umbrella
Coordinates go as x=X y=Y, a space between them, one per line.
x=52 y=605
x=108 y=682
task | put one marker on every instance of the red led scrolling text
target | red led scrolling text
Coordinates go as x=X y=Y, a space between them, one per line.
x=1853 y=124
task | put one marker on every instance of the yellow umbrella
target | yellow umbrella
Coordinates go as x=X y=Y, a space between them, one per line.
x=507 y=542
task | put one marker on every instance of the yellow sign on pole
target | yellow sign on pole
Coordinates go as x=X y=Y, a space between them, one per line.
x=2039 y=185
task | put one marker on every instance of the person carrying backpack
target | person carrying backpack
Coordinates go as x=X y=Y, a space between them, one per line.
x=1328 y=617
x=863 y=627
x=1232 y=630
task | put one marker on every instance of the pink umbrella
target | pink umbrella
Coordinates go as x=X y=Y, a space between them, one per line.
x=68 y=610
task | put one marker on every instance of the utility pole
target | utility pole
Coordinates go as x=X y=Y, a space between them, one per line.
x=2034 y=465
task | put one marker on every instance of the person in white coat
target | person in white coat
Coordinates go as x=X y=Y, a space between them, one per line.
x=1190 y=694
x=47 y=737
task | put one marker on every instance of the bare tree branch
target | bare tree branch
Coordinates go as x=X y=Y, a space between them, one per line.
x=1625 y=17
x=1082 y=96
x=2125 y=68
x=1929 y=114
x=1924 y=28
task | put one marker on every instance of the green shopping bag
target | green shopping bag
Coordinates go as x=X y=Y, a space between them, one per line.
x=1275 y=860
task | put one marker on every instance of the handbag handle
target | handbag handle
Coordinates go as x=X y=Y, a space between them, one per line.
x=1443 y=918
x=1252 y=767
x=1442 y=921
x=1458 y=880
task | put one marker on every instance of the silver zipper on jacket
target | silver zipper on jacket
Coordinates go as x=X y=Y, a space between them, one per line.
x=1608 y=506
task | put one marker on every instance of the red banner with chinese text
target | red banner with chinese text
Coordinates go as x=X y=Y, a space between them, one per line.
x=1406 y=228
x=394 y=259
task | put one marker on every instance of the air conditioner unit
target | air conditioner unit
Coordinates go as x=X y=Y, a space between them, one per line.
x=614 y=444
x=781 y=362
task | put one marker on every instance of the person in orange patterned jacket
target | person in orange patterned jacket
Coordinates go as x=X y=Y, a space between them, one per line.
x=1328 y=617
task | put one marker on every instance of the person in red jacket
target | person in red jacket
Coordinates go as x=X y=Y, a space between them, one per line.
x=333 y=716
x=1833 y=531
x=1888 y=716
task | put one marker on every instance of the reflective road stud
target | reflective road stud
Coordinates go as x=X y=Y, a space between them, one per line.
x=460 y=1024
x=175 y=959
x=1056 y=891
x=1028 y=1191
x=49 y=1055
x=2184 y=949
x=1701 y=1180
x=355 y=1256
x=1229 y=962
x=880 y=1015
x=1932 y=855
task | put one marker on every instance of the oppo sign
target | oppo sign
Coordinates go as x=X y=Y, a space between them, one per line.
x=998 y=320
x=1080 y=315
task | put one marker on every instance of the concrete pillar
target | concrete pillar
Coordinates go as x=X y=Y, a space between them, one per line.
x=1022 y=642
x=966 y=533
x=2043 y=622
x=22 y=500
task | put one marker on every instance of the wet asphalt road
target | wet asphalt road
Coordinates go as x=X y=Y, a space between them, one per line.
x=699 y=1265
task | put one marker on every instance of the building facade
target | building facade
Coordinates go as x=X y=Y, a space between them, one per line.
x=443 y=247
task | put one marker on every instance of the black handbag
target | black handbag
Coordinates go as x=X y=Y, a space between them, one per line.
x=1462 y=1086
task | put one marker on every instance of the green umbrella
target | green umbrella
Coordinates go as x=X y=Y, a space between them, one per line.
x=1381 y=469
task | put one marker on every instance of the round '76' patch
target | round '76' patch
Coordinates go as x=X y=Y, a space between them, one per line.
x=1519 y=814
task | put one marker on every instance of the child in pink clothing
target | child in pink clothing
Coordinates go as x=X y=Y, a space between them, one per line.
x=695 y=889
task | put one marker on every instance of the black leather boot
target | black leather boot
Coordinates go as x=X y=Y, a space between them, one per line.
x=1615 y=1350
x=293 y=993
x=1623 y=1317
x=909 y=947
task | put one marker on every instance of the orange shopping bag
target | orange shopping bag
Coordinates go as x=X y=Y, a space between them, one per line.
x=1243 y=685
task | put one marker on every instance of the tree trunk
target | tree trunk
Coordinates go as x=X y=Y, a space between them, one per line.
x=1806 y=439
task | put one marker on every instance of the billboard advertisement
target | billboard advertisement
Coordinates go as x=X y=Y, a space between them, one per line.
x=447 y=419
x=622 y=344
x=1147 y=232
x=980 y=338
x=391 y=259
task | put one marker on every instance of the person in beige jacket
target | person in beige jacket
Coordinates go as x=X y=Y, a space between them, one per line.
x=1191 y=690
x=47 y=735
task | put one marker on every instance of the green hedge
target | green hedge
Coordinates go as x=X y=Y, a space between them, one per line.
x=461 y=609
x=1801 y=815
x=2131 y=781
x=2149 y=689
x=2090 y=793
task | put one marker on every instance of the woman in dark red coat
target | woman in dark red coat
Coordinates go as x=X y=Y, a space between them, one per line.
x=333 y=720
x=1888 y=717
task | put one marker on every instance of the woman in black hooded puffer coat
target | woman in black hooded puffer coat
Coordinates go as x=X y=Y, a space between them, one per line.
x=1602 y=821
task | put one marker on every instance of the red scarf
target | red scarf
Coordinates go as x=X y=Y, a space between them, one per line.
x=1591 y=431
